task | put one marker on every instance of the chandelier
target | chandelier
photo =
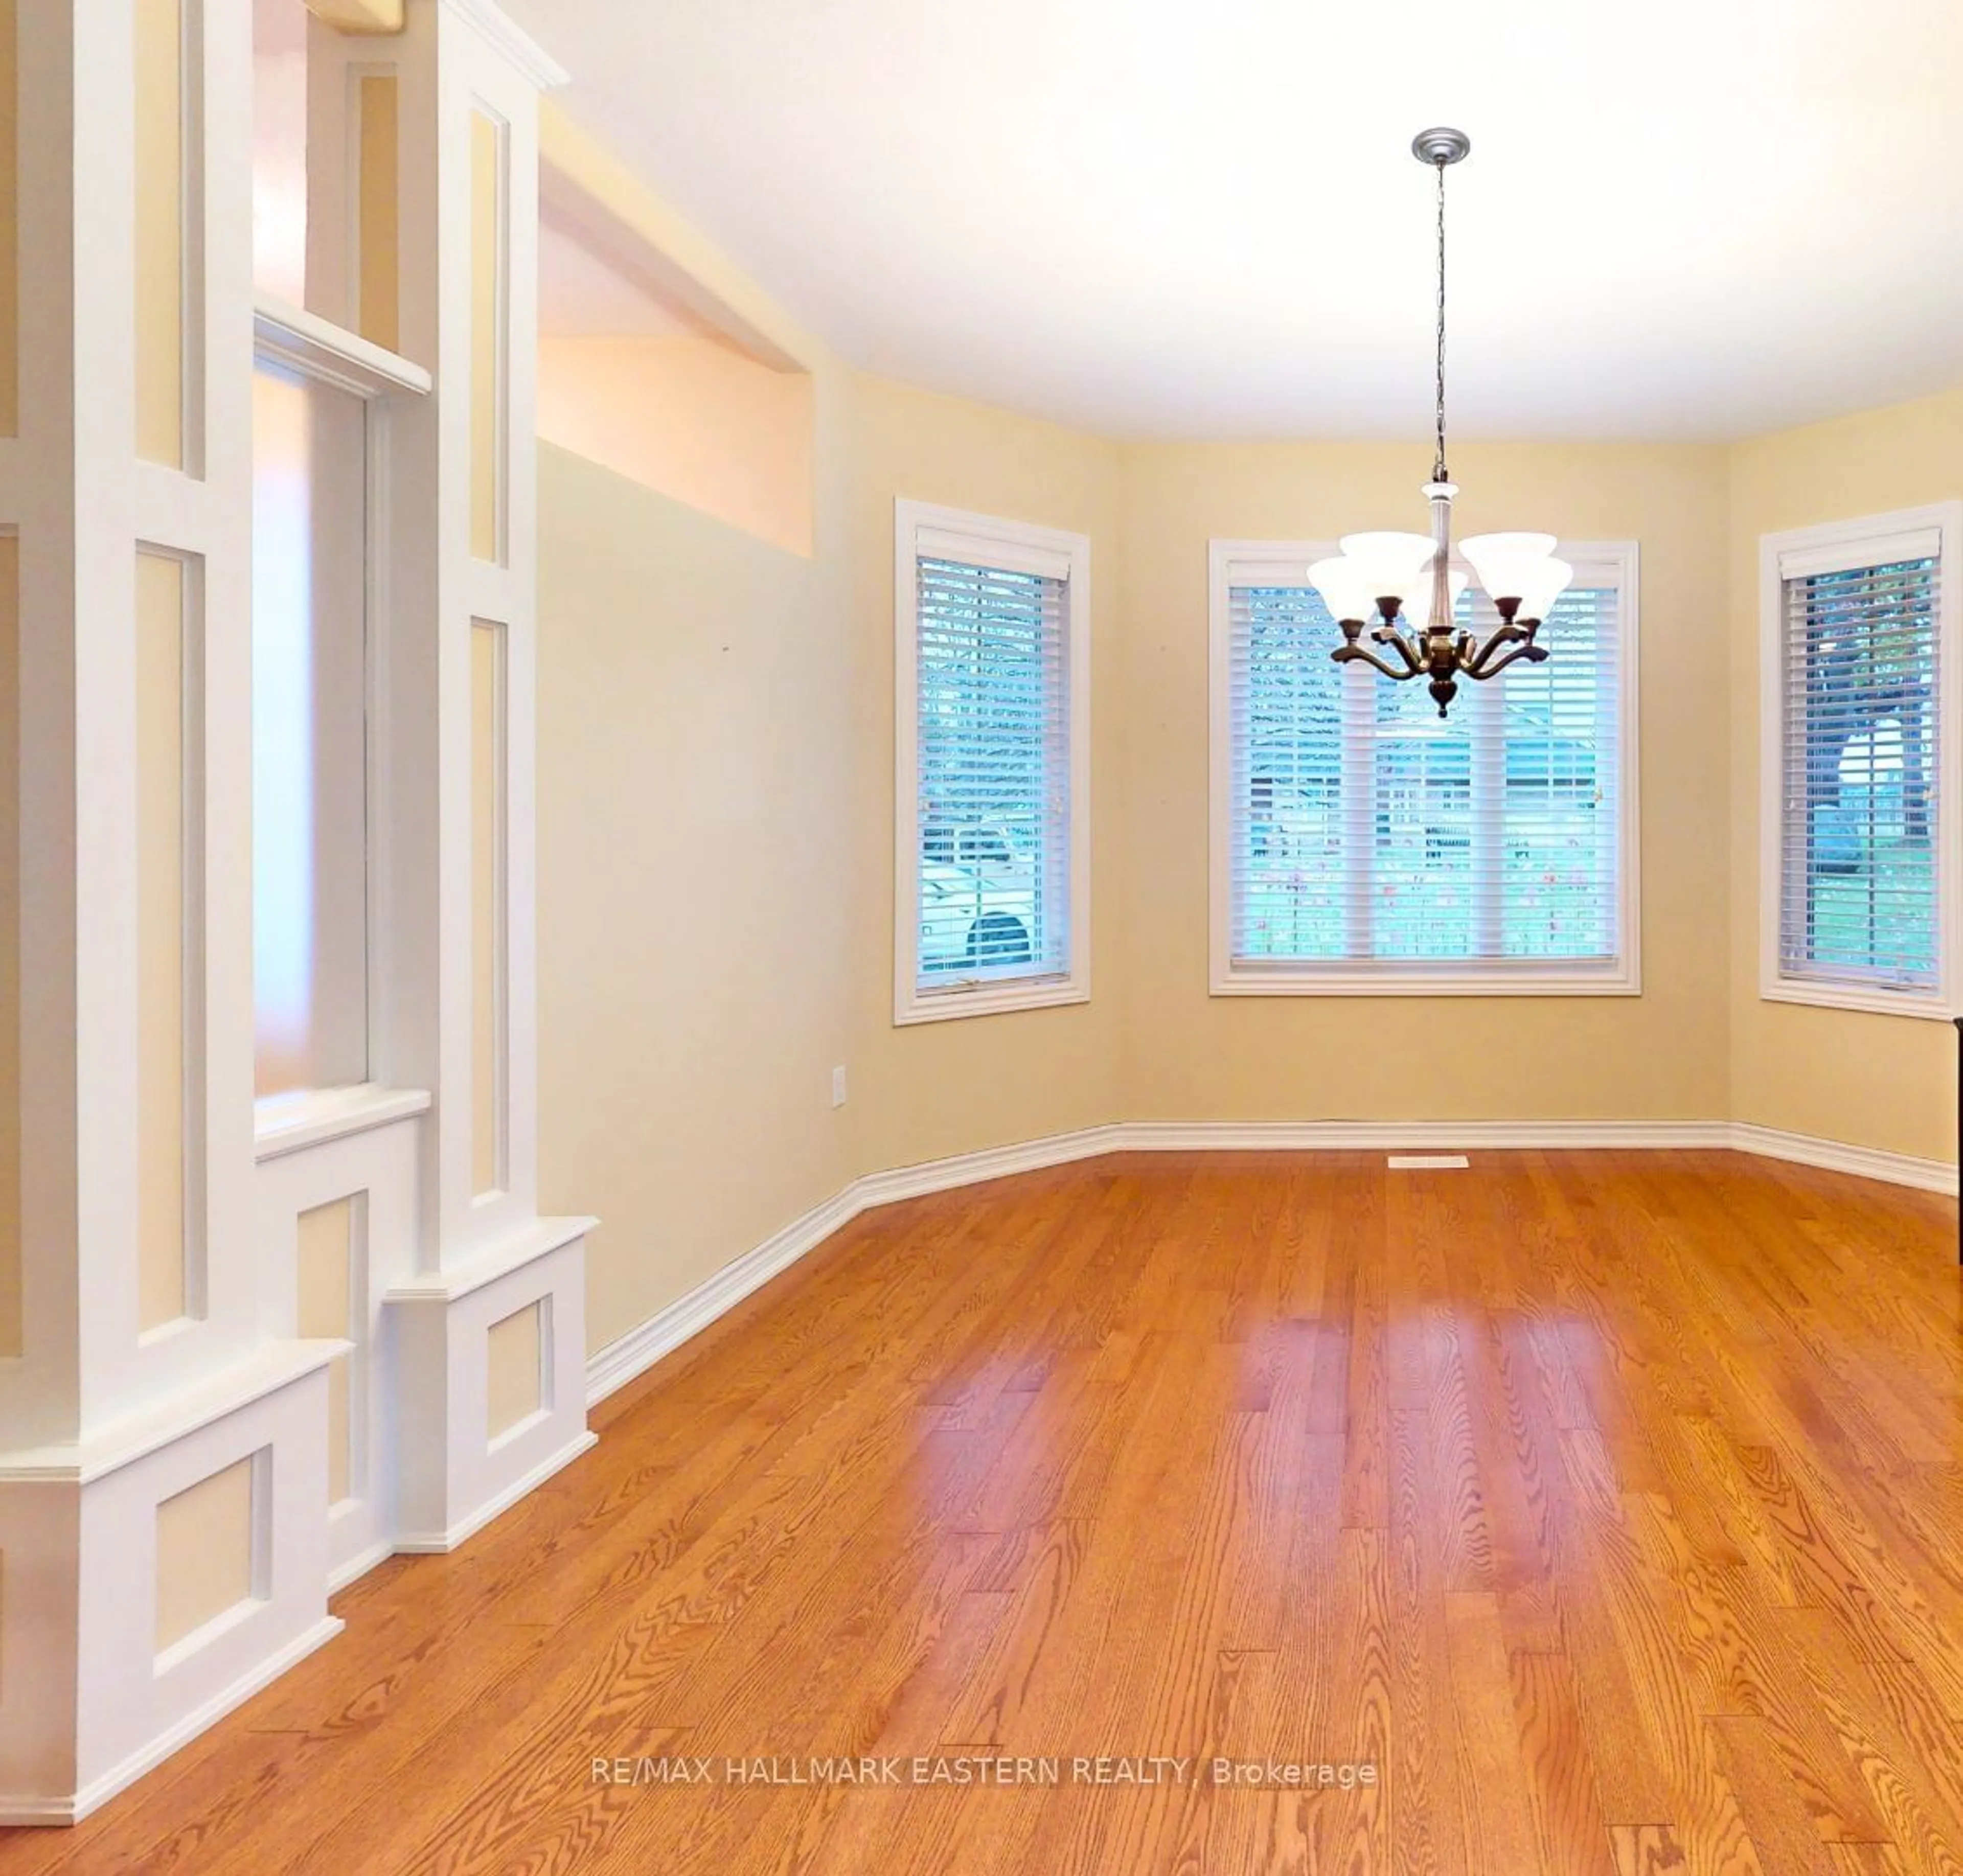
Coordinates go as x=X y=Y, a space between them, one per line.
x=1398 y=578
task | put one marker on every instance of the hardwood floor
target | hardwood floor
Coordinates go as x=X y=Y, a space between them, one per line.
x=1608 y=1507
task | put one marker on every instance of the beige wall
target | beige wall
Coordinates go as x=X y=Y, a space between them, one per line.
x=1189 y=1056
x=936 y=1088
x=1876 y=1081
x=691 y=418
x=697 y=693
x=716 y=849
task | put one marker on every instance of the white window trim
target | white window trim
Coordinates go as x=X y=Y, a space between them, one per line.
x=305 y=345
x=979 y=533
x=1774 y=986
x=1594 y=562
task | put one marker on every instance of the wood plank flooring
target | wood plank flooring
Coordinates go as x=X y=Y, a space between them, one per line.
x=1608 y=1508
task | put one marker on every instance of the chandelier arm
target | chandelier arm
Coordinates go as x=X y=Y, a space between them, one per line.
x=1402 y=645
x=1533 y=654
x=1501 y=636
x=1346 y=653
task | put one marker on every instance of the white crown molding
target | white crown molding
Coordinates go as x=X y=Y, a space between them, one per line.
x=500 y=30
x=633 y=1354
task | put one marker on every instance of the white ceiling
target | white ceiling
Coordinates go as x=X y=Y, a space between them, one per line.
x=1684 y=218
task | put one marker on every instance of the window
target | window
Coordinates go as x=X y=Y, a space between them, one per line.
x=1859 y=784
x=321 y=398
x=992 y=786
x=309 y=731
x=325 y=312
x=1363 y=845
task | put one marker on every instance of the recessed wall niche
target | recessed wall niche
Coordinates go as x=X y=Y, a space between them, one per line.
x=641 y=370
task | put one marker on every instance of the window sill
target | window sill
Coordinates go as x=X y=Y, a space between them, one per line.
x=287 y=1123
x=1284 y=982
x=989 y=1000
x=1928 y=1005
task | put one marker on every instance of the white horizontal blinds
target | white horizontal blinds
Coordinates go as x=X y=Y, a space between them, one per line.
x=1860 y=678
x=1419 y=861
x=1365 y=829
x=993 y=764
x=1560 y=853
x=1286 y=859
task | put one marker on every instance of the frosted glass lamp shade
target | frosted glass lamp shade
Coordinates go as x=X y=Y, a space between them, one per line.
x=1392 y=563
x=1547 y=582
x=1507 y=564
x=1539 y=547
x=1345 y=586
x=1417 y=612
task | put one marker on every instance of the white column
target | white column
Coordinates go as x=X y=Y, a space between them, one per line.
x=150 y=1425
x=170 y=1438
x=492 y=1329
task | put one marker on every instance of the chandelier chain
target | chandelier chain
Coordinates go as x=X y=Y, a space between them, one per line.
x=1438 y=471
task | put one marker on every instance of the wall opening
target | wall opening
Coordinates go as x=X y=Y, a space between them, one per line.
x=309 y=733
x=636 y=373
x=325 y=171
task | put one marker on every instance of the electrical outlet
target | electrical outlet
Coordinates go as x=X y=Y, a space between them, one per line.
x=838 y=1088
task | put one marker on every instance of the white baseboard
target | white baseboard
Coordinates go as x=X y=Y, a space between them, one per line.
x=359 y=1565
x=1835 y=1156
x=689 y=1314
x=98 y=1791
x=437 y=1543
x=1399 y=1136
x=970 y=1169
x=618 y=1363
